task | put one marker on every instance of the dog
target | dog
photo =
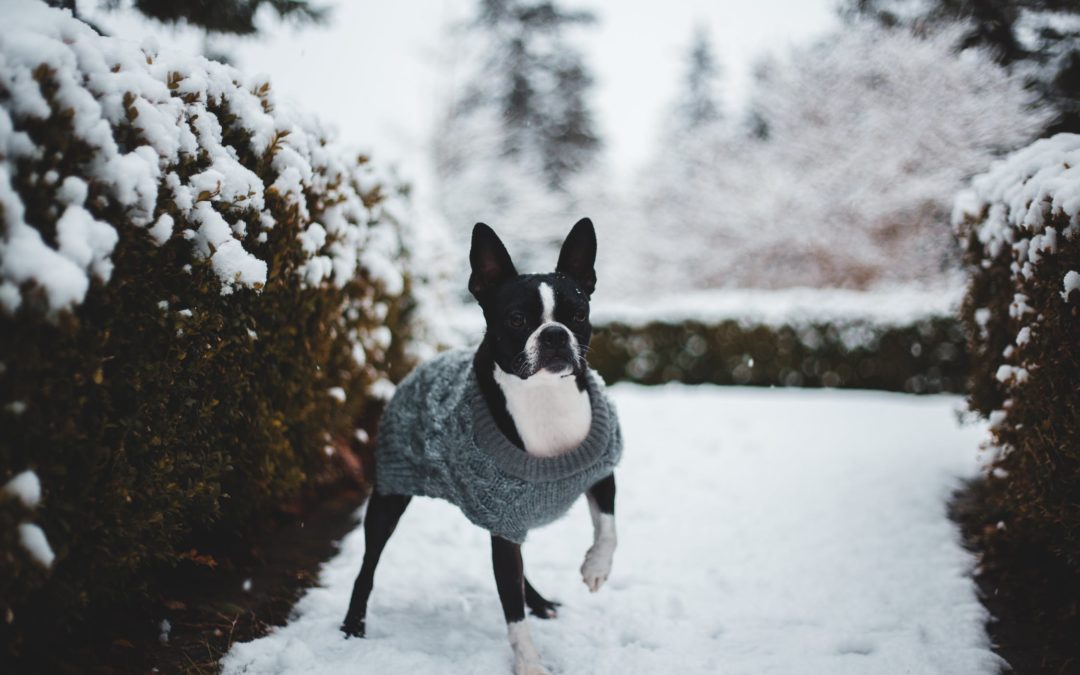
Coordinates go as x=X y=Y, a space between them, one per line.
x=512 y=433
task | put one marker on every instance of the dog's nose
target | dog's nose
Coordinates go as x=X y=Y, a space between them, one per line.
x=554 y=336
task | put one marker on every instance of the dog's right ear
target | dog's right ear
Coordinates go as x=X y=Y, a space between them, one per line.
x=491 y=264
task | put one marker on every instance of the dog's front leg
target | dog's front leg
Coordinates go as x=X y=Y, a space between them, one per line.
x=597 y=566
x=510 y=580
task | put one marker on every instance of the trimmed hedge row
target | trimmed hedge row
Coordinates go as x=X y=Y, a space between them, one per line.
x=927 y=356
x=1020 y=229
x=253 y=306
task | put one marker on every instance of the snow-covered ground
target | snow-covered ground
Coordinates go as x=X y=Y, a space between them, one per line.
x=760 y=531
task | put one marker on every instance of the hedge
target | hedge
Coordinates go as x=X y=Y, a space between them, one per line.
x=200 y=296
x=803 y=338
x=1020 y=228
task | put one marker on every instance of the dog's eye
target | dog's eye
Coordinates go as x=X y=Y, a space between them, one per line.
x=580 y=315
x=516 y=320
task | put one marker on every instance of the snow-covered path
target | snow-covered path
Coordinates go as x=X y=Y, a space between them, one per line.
x=760 y=531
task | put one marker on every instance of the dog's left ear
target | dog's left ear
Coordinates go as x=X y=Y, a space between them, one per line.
x=578 y=256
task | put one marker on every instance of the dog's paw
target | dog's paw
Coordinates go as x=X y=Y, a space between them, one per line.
x=545 y=609
x=522 y=666
x=597 y=566
x=353 y=628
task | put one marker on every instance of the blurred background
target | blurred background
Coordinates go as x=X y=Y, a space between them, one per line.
x=772 y=144
x=771 y=182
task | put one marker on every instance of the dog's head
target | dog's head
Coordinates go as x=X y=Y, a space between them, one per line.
x=536 y=323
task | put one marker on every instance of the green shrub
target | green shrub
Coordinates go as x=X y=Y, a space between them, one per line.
x=1020 y=228
x=200 y=296
x=926 y=356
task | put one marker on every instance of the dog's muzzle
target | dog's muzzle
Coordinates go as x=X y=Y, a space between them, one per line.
x=555 y=349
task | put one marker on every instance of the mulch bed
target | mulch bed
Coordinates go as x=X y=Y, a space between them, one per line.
x=1032 y=596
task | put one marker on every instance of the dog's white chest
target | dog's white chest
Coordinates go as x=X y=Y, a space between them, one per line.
x=551 y=415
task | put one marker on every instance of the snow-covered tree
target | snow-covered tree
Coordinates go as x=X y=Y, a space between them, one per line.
x=869 y=134
x=1037 y=39
x=518 y=141
x=698 y=104
x=683 y=176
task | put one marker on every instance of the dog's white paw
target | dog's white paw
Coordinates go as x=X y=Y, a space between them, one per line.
x=526 y=658
x=597 y=566
x=526 y=667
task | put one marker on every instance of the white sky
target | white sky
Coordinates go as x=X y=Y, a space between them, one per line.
x=375 y=72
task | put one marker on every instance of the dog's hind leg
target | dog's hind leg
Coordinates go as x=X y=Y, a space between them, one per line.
x=383 y=514
x=538 y=605
x=510 y=580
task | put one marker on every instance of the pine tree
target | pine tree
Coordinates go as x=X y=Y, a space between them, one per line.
x=539 y=83
x=678 y=188
x=519 y=140
x=698 y=104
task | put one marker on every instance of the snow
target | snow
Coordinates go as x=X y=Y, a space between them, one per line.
x=1023 y=336
x=1071 y=282
x=1021 y=211
x=169 y=99
x=237 y=267
x=86 y=240
x=795 y=531
x=1006 y=373
x=162 y=229
x=382 y=389
x=26 y=487
x=33 y=540
x=1020 y=191
x=898 y=306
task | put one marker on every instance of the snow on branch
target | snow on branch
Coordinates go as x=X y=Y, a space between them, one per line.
x=173 y=144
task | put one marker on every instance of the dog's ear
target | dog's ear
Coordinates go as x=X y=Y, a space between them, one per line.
x=491 y=264
x=578 y=256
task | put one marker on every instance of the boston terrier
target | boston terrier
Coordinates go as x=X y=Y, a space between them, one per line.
x=523 y=413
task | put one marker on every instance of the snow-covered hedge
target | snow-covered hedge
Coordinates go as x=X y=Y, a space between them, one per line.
x=200 y=295
x=1020 y=227
x=904 y=340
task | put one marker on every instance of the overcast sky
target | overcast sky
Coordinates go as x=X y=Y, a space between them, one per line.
x=378 y=71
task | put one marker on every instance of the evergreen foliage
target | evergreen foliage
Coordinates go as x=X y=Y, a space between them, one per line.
x=540 y=85
x=924 y=357
x=698 y=103
x=1020 y=228
x=183 y=399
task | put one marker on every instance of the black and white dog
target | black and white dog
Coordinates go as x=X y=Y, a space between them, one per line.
x=531 y=370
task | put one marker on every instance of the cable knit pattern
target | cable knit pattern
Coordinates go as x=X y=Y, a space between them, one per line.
x=438 y=439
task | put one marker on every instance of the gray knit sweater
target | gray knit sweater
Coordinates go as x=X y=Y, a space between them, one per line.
x=438 y=439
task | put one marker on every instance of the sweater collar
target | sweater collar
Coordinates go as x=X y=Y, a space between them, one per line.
x=516 y=462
